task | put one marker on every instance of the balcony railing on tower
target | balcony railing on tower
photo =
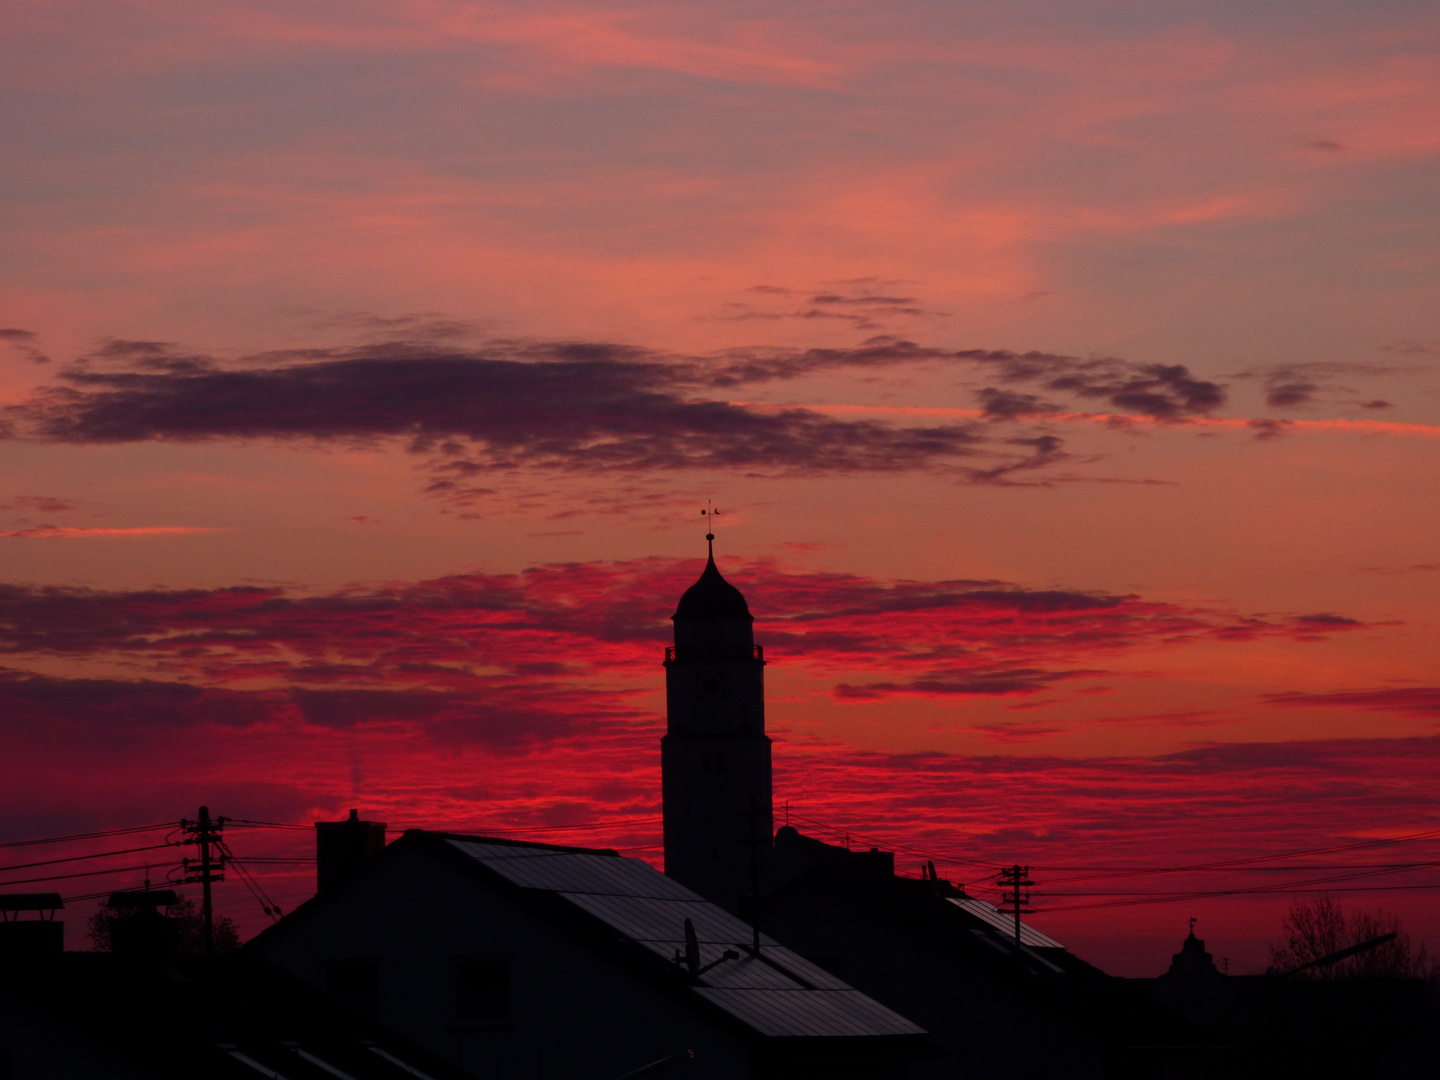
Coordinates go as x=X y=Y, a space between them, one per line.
x=758 y=652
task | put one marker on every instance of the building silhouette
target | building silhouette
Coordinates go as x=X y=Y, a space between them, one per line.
x=524 y=961
x=921 y=946
x=1193 y=986
x=715 y=755
x=112 y=1016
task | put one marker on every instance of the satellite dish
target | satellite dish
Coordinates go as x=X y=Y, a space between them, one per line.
x=692 y=948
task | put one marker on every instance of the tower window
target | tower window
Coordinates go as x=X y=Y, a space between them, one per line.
x=705 y=763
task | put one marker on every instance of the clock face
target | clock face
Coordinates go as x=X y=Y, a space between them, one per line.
x=712 y=686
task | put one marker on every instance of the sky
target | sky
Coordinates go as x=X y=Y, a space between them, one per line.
x=1067 y=377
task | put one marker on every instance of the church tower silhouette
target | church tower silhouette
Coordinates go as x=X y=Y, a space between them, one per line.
x=715 y=755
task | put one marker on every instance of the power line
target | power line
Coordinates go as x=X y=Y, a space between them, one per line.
x=1360 y=870
x=280 y=858
x=1219 y=894
x=1122 y=870
x=1257 y=890
x=588 y=825
x=1306 y=867
x=1249 y=864
x=89 y=835
x=267 y=905
x=1344 y=872
x=81 y=858
x=898 y=848
x=1250 y=860
x=1280 y=886
x=91 y=873
x=244 y=872
x=86 y=896
x=267 y=824
x=650 y=820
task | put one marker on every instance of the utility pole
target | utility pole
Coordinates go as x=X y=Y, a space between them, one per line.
x=204 y=833
x=1016 y=879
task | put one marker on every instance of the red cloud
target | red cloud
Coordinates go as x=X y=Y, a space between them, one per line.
x=1415 y=700
x=593 y=628
x=508 y=702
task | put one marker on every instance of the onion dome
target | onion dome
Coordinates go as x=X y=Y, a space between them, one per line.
x=712 y=597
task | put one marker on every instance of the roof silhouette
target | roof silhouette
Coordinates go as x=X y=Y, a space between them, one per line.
x=638 y=916
x=226 y=1017
x=776 y=994
x=712 y=597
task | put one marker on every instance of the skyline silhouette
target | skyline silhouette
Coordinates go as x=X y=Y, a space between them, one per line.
x=1068 y=378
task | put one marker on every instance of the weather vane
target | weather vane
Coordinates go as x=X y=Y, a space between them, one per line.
x=710 y=513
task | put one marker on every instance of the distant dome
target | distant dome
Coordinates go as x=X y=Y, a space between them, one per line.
x=712 y=597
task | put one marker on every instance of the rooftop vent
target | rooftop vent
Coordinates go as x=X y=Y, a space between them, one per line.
x=40 y=936
x=140 y=929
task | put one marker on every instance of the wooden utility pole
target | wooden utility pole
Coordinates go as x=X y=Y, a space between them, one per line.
x=203 y=833
x=1015 y=879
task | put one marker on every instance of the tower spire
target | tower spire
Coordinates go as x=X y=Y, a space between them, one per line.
x=715 y=756
x=710 y=513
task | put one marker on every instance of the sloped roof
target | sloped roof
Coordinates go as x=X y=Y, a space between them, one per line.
x=988 y=913
x=778 y=994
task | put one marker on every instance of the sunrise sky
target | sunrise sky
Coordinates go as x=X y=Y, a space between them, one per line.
x=1068 y=377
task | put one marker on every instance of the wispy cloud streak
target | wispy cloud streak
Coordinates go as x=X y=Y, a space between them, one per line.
x=66 y=532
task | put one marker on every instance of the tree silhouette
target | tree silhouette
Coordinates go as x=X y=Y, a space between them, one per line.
x=189 y=927
x=1317 y=928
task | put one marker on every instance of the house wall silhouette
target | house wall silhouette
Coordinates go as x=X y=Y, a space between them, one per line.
x=530 y=960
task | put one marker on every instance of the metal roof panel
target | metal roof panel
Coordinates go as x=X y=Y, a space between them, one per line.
x=815 y=1013
x=648 y=919
x=569 y=871
x=780 y=993
x=1005 y=924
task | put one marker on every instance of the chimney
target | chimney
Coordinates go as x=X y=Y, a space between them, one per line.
x=43 y=935
x=138 y=929
x=343 y=847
